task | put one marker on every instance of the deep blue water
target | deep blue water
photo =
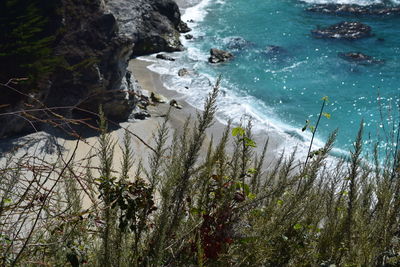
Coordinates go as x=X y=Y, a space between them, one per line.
x=291 y=81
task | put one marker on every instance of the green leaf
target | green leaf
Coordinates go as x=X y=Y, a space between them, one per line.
x=251 y=196
x=238 y=131
x=195 y=211
x=249 y=142
x=7 y=201
x=312 y=128
x=297 y=226
x=279 y=202
x=326 y=115
x=252 y=171
x=244 y=187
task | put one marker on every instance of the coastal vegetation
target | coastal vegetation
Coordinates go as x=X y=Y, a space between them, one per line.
x=223 y=208
x=185 y=198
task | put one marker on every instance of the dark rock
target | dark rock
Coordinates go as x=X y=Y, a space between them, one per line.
x=98 y=58
x=238 y=43
x=183 y=27
x=344 y=30
x=154 y=25
x=276 y=54
x=93 y=71
x=95 y=49
x=360 y=58
x=183 y=72
x=175 y=104
x=346 y=9
x=140 y=115
x=218 y=56
x=274 y=49
x=188 y=36
x=190 y=21
x=165 y=57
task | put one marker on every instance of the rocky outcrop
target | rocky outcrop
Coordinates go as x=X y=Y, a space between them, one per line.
x=344 y=30
x=153 y=25
x=183 y=72
x=94 y=42
x=360 y=58
x=218 y=56
x=356 y=10
x=96 y=58
x=165 y=57
x=188 y=36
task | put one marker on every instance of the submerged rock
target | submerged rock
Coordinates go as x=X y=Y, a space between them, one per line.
x=275 y=49
x=344 y=30
x=165 y=57
x=346 y=9
x=218 y=56
x=276 y=54
x=238 y=43
x=183 y=72
x=360 y=58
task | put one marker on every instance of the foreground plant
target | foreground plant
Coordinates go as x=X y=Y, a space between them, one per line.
x=220 y=209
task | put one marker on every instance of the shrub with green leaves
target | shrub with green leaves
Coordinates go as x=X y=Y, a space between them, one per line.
x=221 y=209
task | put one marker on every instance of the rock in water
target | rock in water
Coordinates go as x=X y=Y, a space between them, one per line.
x=165 y=57
x=344 y=30
x=238 y=43
x=218 y=55
x=188 y=36
x=360 y=58
x=183 y=72
x=183 y=27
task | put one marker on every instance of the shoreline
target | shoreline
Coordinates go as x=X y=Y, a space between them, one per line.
x=152 y=81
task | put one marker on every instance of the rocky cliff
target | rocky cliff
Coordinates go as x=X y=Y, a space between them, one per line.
x=92 y=44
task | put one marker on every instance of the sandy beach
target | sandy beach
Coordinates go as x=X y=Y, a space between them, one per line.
x=152 y=82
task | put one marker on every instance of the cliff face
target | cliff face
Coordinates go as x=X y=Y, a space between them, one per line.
x=153 y=25
x=93 y=43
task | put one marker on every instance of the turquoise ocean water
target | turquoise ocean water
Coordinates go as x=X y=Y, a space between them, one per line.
x=282 y=87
